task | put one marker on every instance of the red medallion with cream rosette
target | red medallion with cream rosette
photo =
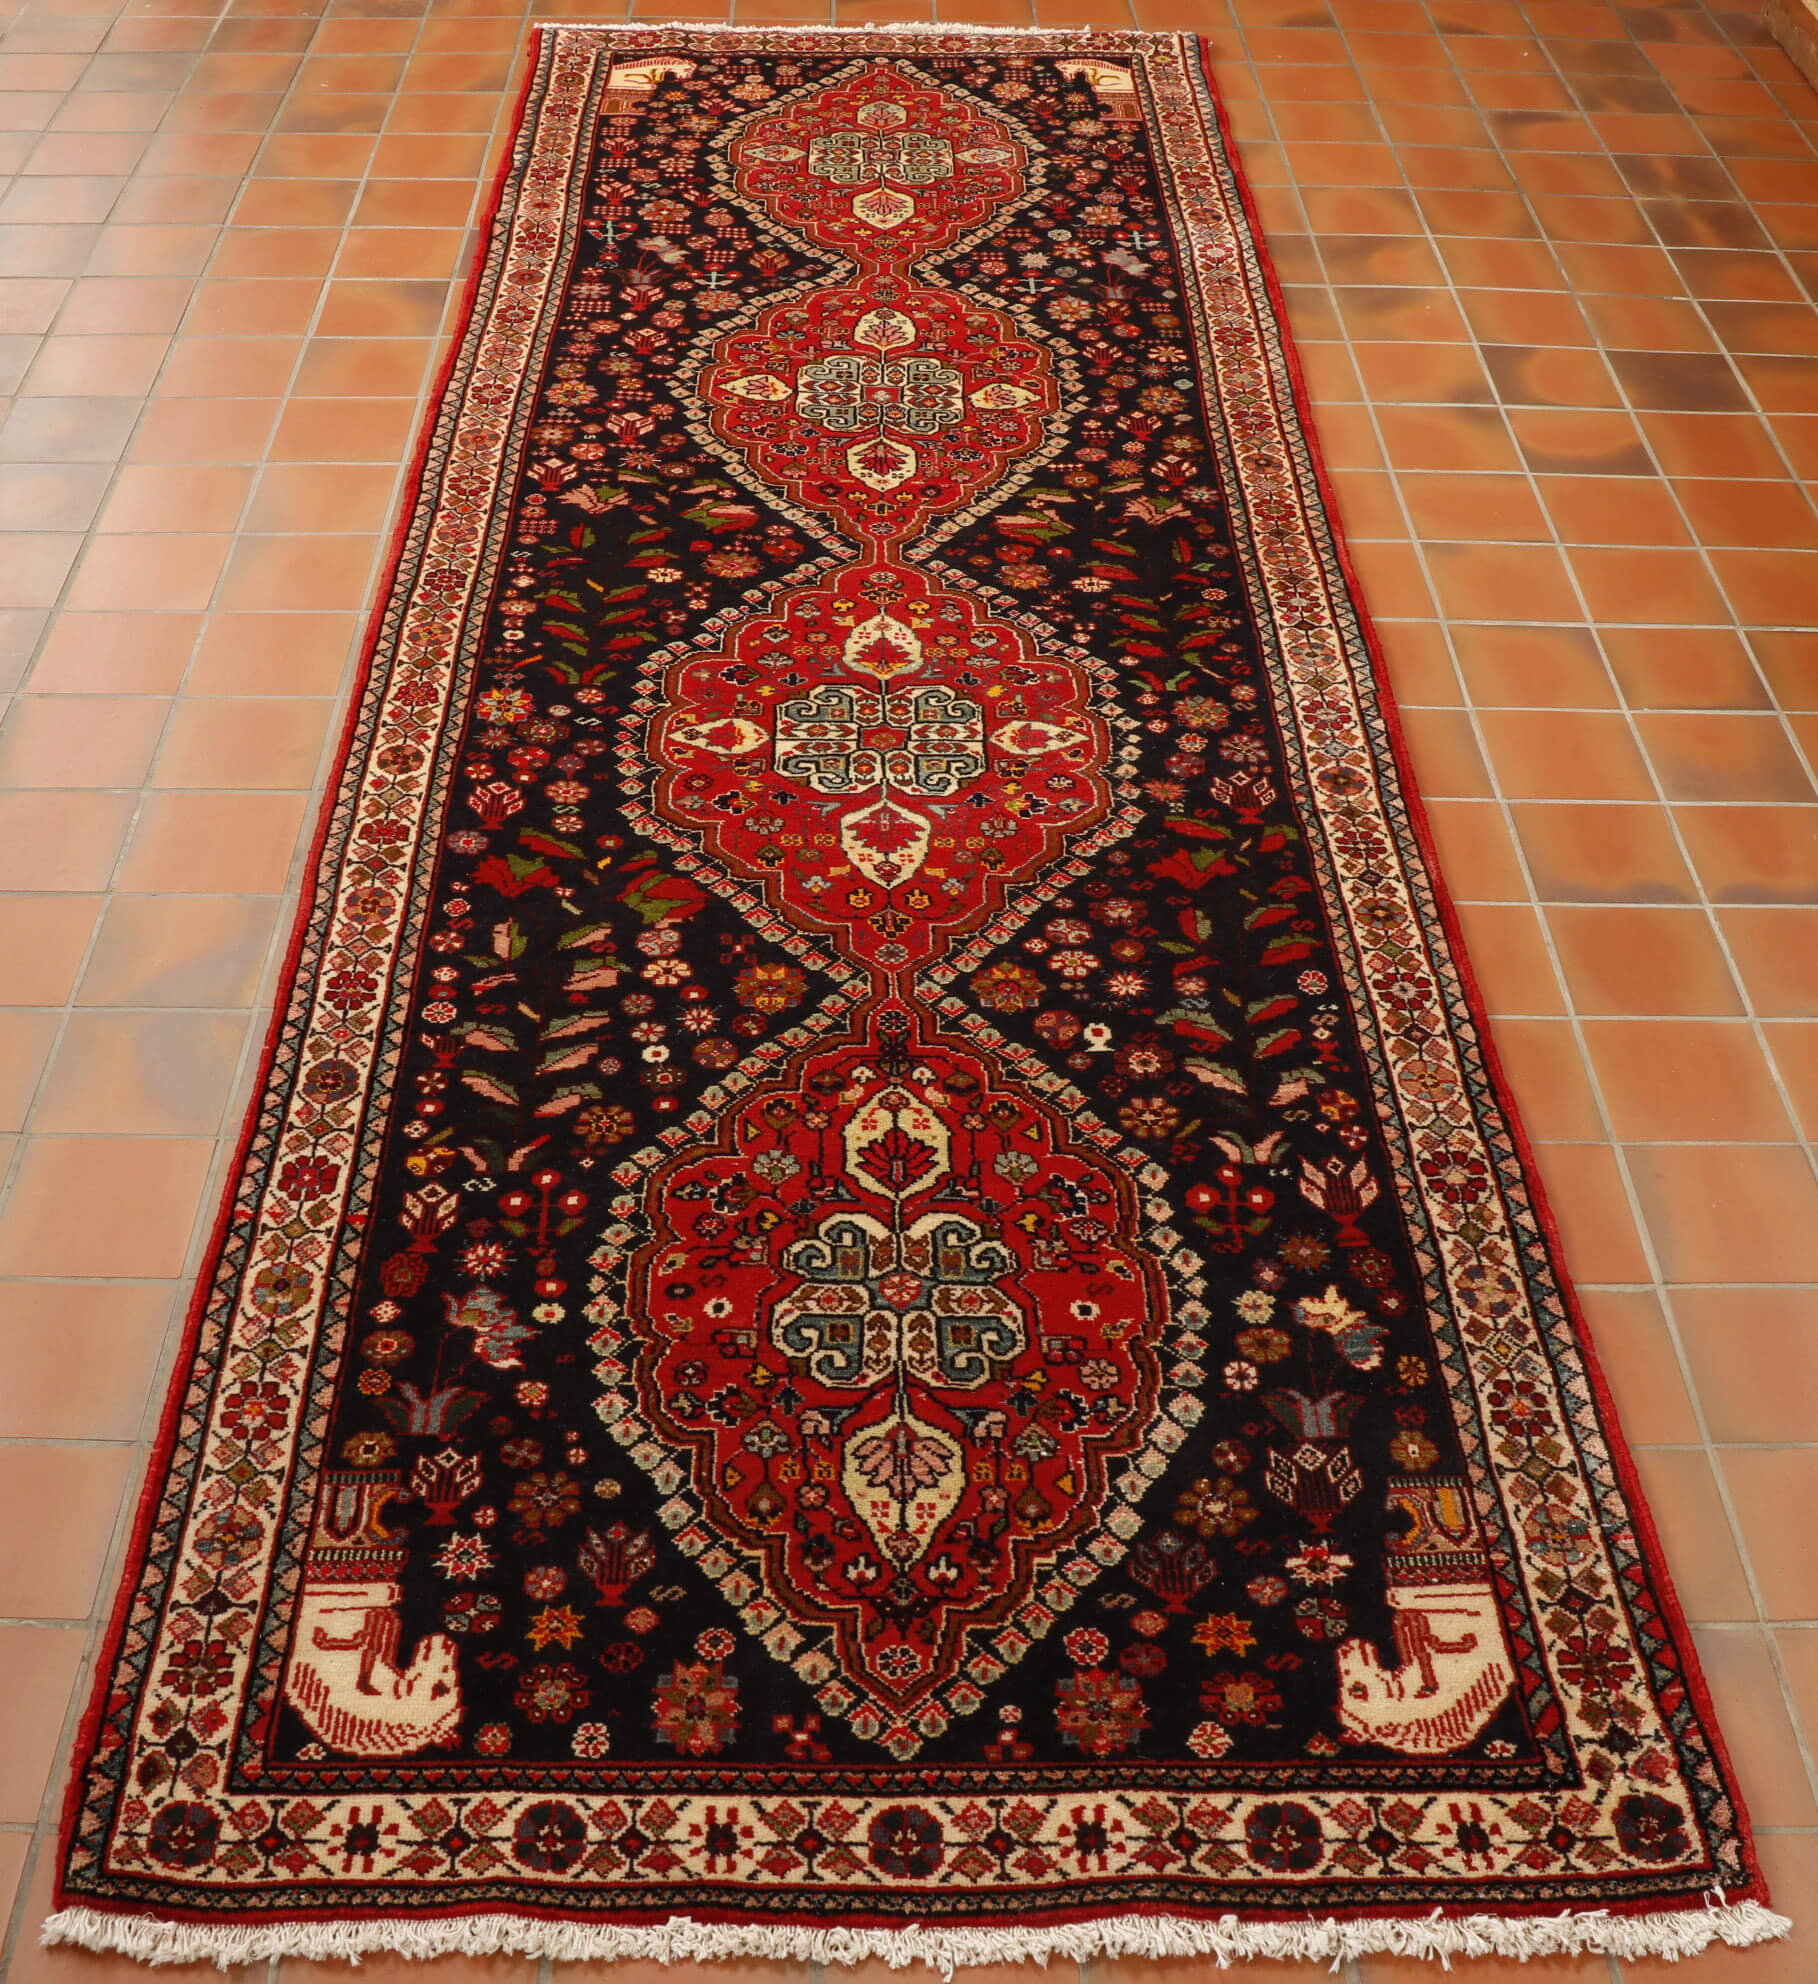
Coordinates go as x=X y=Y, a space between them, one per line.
x=886 y=762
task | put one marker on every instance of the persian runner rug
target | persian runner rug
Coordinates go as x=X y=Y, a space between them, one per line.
x=880 y=1299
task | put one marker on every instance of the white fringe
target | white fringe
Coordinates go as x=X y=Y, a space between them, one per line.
x=1078 y=34
x=1679 y=1933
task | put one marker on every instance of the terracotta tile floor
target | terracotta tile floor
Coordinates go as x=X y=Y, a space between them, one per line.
x=1551 y=266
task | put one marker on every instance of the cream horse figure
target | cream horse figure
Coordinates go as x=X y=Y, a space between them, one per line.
x=344 y=1679
x=345 y=1682
x=1453 y=1674
x=1454 y=1665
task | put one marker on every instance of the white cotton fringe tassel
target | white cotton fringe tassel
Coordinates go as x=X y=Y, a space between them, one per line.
x=794 y=29
x=1680 y=1933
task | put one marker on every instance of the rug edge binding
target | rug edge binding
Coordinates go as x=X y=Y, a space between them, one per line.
x=949 y=29
x=1671 y=1934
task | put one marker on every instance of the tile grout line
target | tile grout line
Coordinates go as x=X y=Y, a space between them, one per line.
x=217 y=1181
x=1555 y=542
x=45 y=1828
x=1316 y=243
x=1805 y=1741
x=1667 y=807
x=109 y=888
x=46 y=1831
x=1644 y=1237
x=1664 y=1294
x=9 y=1170
x=1782 y=1088
x=1619 y=1148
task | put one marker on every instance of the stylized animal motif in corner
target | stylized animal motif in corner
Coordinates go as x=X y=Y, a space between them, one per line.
x=344 y=1679
x=1454 y=1671
x=1454 y=1666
